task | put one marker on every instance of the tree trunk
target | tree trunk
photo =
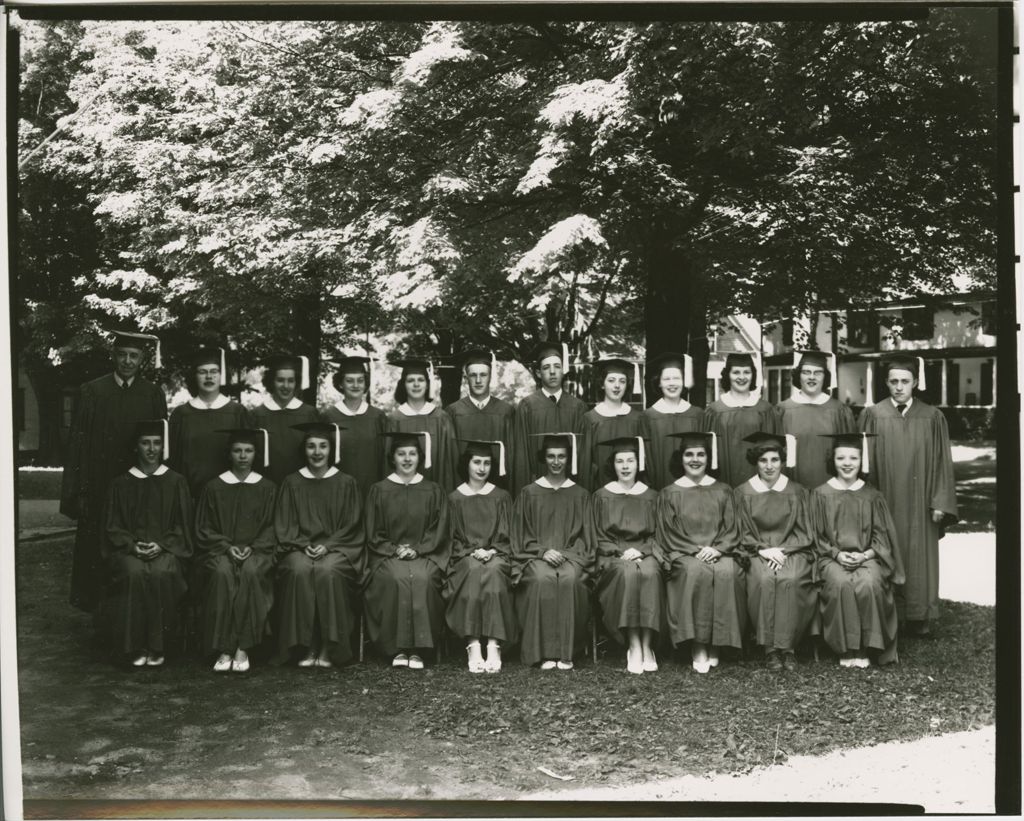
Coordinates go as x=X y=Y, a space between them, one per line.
x=47 y=384
x=307 y=314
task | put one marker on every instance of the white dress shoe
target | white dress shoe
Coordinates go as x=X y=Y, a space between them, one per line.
x=415 y=663
x=564 y=665
x=634 y=664
x=139 y=660
x=222 y=664
x=309 y=660
x=154 y=660
x=401 y=660
x=651 y=665
x=548 y=665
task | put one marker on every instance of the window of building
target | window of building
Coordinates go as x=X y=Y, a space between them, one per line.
x=67 y=404
x=787 y=333
x=918 y=323
x=862 y=329
x=19 y=409
x=988 y=317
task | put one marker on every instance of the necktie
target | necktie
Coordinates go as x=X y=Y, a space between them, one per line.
x=125 y=386
x=900 y=409
x=553 y=398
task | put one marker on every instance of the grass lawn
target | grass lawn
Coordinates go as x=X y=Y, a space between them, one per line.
x=90 y=730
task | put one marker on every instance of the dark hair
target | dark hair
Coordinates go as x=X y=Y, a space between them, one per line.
x=270 y=374
x=755 y=452
x=338 y=379
x=542 y=452
x=192 y=381
x=830 y=461
x=307 y=436
x=723 y=380
x=675 y=461
x=401 y=395
x=462 y=467
x=609 y=467
x=826 y=382
x=395 y=443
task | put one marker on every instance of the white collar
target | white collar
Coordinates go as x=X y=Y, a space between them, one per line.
x=545 y=483
x=341 y=406
x=686 y=481
x=121 y=382
x=230 y=479
x=217 y=403
x=622 y=410
x=731 y=401
x=637 y=489
x=426 y=410
x=307 y=473
x=803 y=399
x=908 y=403
x=664 y=407
x=138 y=474
x=398 y=480
x=835 y=483
x=482 y=403
x=466 y=490
x=758 y=484
x=557 y=394
x=293 y=404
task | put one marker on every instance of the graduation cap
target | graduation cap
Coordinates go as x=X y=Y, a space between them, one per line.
x=130 y=339
x=561 y=440
x=485 y=447
x=285 y=361
x=682 y=361
x=630 y=444
x=405 y=438
x=744 y=359
x=547 y=350
x=775 y=440
x=257 y=437
x=903 y=362
x=478 y=356
x=699 y=439
x=154 y=427
x=630 y=368
x=323 y=430
x=852 y=440
x=415 y=365
x=212 y=356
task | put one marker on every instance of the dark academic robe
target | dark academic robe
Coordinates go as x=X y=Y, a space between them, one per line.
x=286 y=453
x=362 y=456
x=538 y=414
x=781 y=603
x=494 y=422
x=100 y=447
x=704 y=601
x=806 y=421
x=142 y=599
x=444 y=453
x=480 y=593
x=552 y=603
x=631 y=593
x=198 y=452
x=236 y=598
x=732 y=425
x=317 y=600
x=912 y=464
x=655 y=425
x=404 y=604
x=600 y=428
x=857 y=607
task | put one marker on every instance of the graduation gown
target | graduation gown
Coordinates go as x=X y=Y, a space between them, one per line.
x=286 y=454
x=704 y=601
x=912 y=464
x=317 y=600
x=100 y=447
x=362 y=456
x=552 y=603
x=236 y=598
x=732 y=424
x=480 y=593
x=858 y=612
x=198 y=452
x=404 y=604
x=599 y=428
x=142 y=600
x=444 y=452
x=806 y=421
x=538 y=414
x=780 y=603
x=655 y=425
x=631 y=593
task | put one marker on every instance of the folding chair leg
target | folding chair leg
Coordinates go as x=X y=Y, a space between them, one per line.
x=593 y=640
x=362 y=638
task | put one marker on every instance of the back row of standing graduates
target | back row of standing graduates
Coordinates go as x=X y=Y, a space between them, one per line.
x=910 y=453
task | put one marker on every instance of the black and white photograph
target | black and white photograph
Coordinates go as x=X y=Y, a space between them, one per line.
x=511 y=403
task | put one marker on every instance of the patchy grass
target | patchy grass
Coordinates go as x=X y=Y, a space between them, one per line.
x=976 y=494
x=39 y=484
x=90 y=730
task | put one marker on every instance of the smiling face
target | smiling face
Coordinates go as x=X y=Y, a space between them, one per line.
x=284 y=385
x=769 y=466
x=149 y=451
x=740 y=378
x=353 y=386
x=551 y=373
x=615 y=385
x=318 y=452
x=625 y=464
x=671 y=383
x=478 y=380
x=127 y=361
x=479 y=468
x=406 y=460
x=812 y=380
x=416 y=386
x=242 y=455
x=847 y=462
x=555 y=461
x=901 y=384
x=695 y=462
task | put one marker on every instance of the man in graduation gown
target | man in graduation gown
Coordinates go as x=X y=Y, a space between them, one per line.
x=478 y=416
x=284 y=377
x=100 y=447
x=912 y=465
x=360 y=453
x=548 y=409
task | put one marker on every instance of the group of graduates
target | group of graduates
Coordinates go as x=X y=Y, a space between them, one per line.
x=691 y=526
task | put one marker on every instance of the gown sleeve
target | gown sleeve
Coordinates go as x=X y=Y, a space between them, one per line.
x=119 y=536
x=727 y=540
x=824 y=542
x=435 y=544
x=177 y=536
x=883 y=539
x=265 y=540
x=349 y=534
x=286 y=520
x=942 y=490
x=800 y=536
x=606 y=547
x=750 y=536
x=210 y=537
x=502 y=540
x=377 y=539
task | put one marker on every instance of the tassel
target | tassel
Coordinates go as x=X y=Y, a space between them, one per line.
x=790 y=450
x=426 y=452
x=494 y=371
x=157 y=361
x=714 y=450
x=501 y=457
x=304 y=378
x=565 y=358
x=833 y=371
x=920 y=374
x=641 y=463
x=167 y=441
x=223 y=368
x=638 y=385
x=869 y=386
x=865 y=466
x=337 y=443
x=266 y=448
x=369 y=372
x=687 y=371
x=575 y=461
x=430 y=378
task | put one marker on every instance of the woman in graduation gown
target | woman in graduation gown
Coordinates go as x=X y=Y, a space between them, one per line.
x=361 y=454
x=670 y=373
x=738 y=412
x=197 y=449
x=407 y=533
x=321 y=555
x=630 y=589
x=285 y=376
x=698 y=540
x=611 y=418
x=857 y=561
x=235 y=545
x=552 y=541
x=479 y=580
x=811 y=413
x=776 y=535
x=417 y=412
x=148 y=539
